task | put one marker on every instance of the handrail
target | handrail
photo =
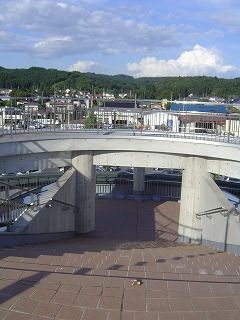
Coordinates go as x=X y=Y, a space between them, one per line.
x=9 y=185
x=13 y=209
x=63 y=203
x=210 y=211
x=223 y=211
x=26 y=191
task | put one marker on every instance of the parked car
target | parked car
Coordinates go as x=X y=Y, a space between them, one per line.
x=171 y=172
x=115 y=168
x=100 y=169
x=234 y=180
x=38 y=125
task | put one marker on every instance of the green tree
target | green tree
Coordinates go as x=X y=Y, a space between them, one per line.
x=20 y=93
x=35 y=81
x=90 y=121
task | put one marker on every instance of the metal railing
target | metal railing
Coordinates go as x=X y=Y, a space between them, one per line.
x=13 y=196
x=164 y=188
x=26 y=182
x=208 y=213
x=219 y=210
x=109 y=184
x=136 y=121
x=123 y=186
x=10 y=211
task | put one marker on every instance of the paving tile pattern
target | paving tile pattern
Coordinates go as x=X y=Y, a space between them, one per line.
x=89 y=278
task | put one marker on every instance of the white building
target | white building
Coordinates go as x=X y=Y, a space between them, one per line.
x=161 y=120
x=233 y=127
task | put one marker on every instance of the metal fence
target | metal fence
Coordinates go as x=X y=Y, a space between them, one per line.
x=181 y=124
x=109 y=185
x=13 y=191
x=161 y=190
x=10 y=211
x=25 y=182
x=120 y=187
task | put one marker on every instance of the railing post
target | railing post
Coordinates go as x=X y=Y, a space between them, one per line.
x=3 y=120
x=98 y=117
x=54 y=117
x=229 y=128
x=8 y=208
x=32 y=197
x=11 y=120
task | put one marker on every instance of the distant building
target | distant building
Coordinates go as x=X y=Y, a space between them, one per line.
x=118 y=117
x=233 y=127
x=198 y=107
x=30 y=106
x=108 y=96
x=120 y=104
x=11 y=116
x=201 y=122
x=161 y=120
x=216 y=99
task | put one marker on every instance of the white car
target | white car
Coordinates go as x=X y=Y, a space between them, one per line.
x=171 y=172
x=235 y=180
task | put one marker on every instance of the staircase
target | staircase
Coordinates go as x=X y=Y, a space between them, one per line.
x=42 y=200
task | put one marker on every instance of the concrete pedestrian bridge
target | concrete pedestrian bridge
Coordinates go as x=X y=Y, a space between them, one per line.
x=206 y=215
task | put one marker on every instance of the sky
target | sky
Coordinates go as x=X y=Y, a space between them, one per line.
x=134 y=37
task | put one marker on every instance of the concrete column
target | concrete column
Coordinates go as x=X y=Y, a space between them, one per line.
x=85 y=192
x=138 y=181
x=193 y=199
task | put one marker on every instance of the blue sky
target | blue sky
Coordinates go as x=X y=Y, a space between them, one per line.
x=135 y=37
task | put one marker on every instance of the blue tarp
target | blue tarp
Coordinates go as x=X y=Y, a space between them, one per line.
x=198 y=107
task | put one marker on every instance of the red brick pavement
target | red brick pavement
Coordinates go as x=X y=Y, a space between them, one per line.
x=90 y=278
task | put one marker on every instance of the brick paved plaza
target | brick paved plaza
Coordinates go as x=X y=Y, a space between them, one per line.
x=90 y=277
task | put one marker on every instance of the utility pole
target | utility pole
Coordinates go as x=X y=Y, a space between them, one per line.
x=135 y=109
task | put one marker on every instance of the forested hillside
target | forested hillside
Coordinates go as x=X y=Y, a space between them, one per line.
x=46 y=81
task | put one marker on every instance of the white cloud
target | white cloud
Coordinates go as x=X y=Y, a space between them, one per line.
x=198 y=61
x=62 y=5
x=42 y=23
x=83 y=66
x=46 y=47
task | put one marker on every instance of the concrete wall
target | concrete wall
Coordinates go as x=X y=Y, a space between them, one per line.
x=57 y=217
x=34 y=161
x=222 y=232
x=113 y=143
x=11 y=239
x=218 y=230
x=139 y=159
x=199 y=194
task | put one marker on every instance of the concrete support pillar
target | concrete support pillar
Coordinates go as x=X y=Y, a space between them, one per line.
x=193 y=199
x=85 y=192
x=138 y=181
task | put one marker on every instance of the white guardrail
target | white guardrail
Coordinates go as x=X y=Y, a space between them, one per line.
x=186 y=125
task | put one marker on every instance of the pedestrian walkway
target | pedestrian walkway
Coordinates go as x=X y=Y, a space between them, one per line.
x=90 y=278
